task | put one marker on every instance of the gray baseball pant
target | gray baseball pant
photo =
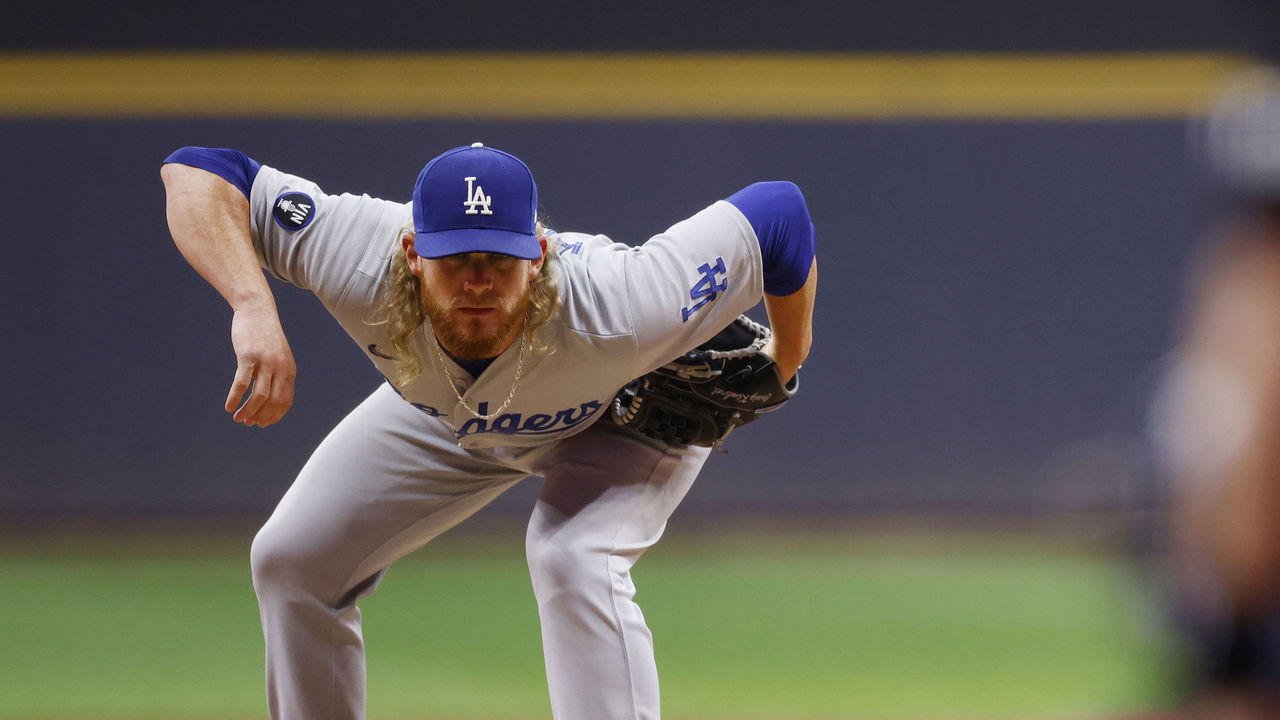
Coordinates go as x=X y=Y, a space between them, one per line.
x=388 y=479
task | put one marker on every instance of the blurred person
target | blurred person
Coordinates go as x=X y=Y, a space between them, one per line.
x=1217 y=419
x=503 y=344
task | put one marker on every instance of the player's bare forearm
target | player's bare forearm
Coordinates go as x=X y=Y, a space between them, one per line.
x=791 y=319
x=209 y=220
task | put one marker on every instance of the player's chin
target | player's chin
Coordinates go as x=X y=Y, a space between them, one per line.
x=477 y=339
x=475 y=328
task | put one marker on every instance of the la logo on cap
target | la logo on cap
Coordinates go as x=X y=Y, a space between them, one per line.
x=475 y=195
x=477 y=199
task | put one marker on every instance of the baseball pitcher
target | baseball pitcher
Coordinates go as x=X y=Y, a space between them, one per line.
x=509 y=350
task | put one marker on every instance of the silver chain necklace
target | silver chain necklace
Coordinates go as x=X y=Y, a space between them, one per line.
x=444 y=365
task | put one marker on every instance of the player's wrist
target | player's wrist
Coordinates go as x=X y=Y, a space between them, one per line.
x=252 y=302
x=787 y=352
x=787 y=369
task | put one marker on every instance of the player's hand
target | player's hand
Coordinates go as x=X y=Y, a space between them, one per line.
x=264 y=368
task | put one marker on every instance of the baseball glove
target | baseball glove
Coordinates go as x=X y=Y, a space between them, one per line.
x=701 y=396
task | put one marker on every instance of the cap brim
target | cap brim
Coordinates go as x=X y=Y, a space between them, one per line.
x=469 y=240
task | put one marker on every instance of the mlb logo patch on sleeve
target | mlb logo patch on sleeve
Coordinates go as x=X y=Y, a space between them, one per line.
x=294 y=210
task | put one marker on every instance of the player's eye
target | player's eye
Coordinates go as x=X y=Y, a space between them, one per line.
x=500 y=262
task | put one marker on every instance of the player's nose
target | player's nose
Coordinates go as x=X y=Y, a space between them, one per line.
x=477 y=280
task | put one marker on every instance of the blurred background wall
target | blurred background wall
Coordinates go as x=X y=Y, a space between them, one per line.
x=999 y=276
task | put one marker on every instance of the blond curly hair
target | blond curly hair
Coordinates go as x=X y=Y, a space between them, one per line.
x=404 y=313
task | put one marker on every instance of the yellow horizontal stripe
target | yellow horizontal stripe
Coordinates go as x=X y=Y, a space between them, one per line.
x=607 y=85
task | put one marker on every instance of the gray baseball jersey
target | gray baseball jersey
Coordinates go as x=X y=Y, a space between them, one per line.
x=625 y=310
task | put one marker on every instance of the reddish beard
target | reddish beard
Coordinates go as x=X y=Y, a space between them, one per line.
x=466 y=343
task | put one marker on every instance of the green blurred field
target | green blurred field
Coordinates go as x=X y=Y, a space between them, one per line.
x=802 y=626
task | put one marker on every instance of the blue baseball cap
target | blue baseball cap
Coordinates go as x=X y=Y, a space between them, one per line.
x=475 y=199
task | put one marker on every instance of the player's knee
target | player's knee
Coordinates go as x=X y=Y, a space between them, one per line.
x=277 y=562
x=560 y=562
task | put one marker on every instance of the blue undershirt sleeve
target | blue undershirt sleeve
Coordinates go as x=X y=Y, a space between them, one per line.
x=231 y=165
x=780 y=217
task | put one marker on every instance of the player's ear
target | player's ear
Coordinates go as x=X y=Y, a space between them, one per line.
x=535 y=265
x=410 y=255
